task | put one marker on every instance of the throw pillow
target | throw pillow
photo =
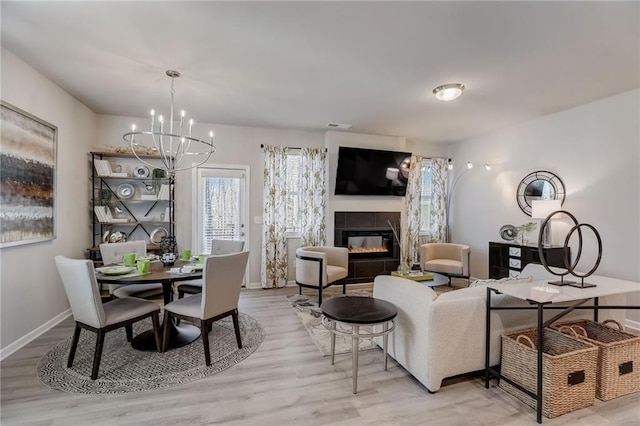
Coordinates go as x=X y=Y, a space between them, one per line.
x=507 y=280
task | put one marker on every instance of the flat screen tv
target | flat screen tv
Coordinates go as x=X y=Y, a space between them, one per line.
x=371 y=172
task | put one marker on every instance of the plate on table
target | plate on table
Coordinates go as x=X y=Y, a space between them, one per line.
x=195 y=266
x=149 y=257
x=115 y=270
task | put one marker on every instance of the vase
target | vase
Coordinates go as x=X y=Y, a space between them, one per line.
x=403 y=268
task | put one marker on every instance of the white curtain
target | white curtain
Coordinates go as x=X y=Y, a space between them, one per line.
x=438 y=217
x=273 y=271
x=313 y=196
x=410 y=240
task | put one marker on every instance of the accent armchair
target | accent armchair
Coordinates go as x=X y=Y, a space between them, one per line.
x=447 y=259
x=321 y=267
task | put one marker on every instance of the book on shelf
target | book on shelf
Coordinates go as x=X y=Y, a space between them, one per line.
x=163 y=194
x=103 y=167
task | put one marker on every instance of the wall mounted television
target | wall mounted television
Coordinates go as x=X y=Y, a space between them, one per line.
x=371 y=172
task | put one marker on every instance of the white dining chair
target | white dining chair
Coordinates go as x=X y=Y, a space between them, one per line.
x=79 y=280
x=112 y=253
x=222 y=278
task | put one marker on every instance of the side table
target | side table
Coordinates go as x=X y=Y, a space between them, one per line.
x=354 y=312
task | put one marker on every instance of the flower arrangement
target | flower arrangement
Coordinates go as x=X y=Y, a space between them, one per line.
x=523 y=229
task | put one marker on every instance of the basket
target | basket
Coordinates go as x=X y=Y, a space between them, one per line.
x=568 y=370
x=618 y=370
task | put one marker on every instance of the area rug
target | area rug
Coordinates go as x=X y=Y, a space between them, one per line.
x=124 y=369
x=308 y=312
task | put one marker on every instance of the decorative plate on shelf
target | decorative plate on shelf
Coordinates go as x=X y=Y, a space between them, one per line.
x=125 y=191
x=157 y=234
x=141 y=171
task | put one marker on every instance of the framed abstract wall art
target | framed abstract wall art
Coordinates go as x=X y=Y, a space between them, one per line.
x=27 y=177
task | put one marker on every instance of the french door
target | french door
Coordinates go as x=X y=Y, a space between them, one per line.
x=221 y=206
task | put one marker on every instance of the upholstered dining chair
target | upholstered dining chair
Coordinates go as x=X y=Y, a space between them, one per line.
x=218 y=247
x=112 y=253
x=79 y=280
x=222 y=280
x=451 y=260
x=321 y=267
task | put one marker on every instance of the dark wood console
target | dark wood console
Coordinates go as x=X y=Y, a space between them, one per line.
x=508 y=260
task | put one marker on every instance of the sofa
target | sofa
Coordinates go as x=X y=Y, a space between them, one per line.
x=442 y=336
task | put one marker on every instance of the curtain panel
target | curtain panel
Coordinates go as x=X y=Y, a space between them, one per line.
x=438 y=217
x=313 y=196
x=273 y=271
x=410 y=240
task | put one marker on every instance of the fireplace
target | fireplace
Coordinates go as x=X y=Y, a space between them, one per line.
x=373 y=249
x=368 y=243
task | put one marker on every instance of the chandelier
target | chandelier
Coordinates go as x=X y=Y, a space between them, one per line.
x=177 y=148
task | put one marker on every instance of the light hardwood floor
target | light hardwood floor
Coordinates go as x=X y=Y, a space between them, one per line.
x=285 y=382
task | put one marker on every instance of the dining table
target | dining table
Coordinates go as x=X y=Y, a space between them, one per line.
x=179 y=334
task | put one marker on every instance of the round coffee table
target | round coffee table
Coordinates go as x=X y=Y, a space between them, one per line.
x=357 y=311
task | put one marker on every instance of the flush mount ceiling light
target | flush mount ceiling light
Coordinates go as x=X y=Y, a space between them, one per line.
x=448 y=92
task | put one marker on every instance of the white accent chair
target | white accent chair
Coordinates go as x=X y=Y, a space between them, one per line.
x=112 y=253
x=79 y=280
x=218 y=247
x=447 y=259
x=222 y=277
x=321 y=267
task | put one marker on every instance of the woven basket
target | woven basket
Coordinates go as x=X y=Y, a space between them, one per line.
x=568 y=370
x=618 y=370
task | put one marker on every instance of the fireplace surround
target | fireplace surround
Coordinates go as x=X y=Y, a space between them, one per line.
x=373 y=248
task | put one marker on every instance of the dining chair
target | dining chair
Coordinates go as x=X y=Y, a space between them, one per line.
x=321 y=267
x=112 y=253
x=79 y=280
x=222 y=278
x=218 y=247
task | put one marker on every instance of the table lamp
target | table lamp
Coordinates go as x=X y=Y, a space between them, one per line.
x=540 y=209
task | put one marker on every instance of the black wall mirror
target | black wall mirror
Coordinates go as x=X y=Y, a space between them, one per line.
x=539 y=185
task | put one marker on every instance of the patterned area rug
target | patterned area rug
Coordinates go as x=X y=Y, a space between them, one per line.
x=307 y=310
x=124 y=369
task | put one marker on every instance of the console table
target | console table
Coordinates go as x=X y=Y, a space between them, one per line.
x=543 y=296
x=508 y=259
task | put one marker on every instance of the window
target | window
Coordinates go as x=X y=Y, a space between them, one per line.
x=425 y=197
x=294 y=180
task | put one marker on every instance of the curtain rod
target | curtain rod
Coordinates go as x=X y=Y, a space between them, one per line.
x=290 y=147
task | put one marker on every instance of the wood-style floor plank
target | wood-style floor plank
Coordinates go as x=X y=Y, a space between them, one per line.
x=285 y=382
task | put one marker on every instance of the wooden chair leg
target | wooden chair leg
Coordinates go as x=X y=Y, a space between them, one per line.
x=155 y=317
x=319 y=296
x=74 y=346
x=344 y=287
x=129 y=330
x=165 y=331
x=98 y=354
x=300 y=290
x=205 y=342
x=236 y=326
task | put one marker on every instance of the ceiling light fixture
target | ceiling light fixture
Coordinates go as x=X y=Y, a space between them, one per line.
x=448 y=92
x=172 y=147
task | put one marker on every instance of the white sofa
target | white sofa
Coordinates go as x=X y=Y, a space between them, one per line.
x=443 y=336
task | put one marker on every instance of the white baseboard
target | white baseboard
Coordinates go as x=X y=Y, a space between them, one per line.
x=34 y=334
x=633 y=325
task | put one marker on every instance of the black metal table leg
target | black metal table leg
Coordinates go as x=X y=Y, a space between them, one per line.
x=487 y=351
x=539 y=378
x=595 y=309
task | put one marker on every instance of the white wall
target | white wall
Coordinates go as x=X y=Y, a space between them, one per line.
x=594 y=148
x=235 y=145
x=32 y=293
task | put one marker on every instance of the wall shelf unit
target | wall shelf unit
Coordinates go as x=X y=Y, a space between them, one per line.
x=130 y=198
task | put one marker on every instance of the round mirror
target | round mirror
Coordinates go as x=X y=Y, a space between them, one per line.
x=539 y=185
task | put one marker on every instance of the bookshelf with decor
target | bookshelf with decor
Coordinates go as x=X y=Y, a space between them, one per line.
x=129 y=201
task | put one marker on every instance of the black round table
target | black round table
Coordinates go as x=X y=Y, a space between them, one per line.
x=355 y=312
x=179 y=335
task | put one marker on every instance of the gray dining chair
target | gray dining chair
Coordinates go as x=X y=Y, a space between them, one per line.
x=112 y=253
x=79 y=280
x=218 y=247
x=222 y=281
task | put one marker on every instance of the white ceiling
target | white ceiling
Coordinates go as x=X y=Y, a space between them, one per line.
x=303 y=64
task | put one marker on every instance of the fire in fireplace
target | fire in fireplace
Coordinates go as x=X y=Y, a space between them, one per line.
x=368 y=243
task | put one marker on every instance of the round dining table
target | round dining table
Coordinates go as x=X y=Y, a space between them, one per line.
x=179 y=335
